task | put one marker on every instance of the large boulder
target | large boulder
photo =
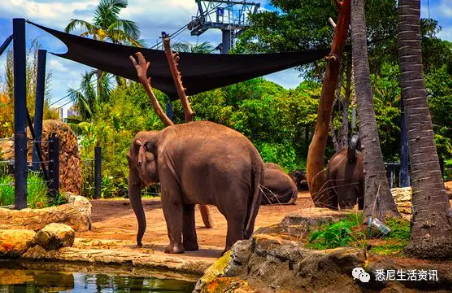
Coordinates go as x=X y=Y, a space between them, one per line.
x=269 y=264
x=70 y=160
x=13 y=243
x=54 y=236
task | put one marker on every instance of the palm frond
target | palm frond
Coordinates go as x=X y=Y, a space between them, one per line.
x=127 y=26
x=74 y=23
x=107 y=12
x=181 y=47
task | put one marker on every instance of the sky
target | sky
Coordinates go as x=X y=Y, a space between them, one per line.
x=153 y=17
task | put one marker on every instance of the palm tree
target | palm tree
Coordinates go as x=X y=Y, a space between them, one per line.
x=204 y=47
x=107 y=26
x=431 y=230
x=86 y=98
x=375 y=174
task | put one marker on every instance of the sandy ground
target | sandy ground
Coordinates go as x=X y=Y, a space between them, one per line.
x=115 y=220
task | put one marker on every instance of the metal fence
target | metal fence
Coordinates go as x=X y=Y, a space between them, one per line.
x=109 y=186
x=42 y=178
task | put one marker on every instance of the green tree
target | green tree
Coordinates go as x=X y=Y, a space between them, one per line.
x=86 y=99
x=204 y=47
x=375 y=175
x=431 y=232
x=107 y=26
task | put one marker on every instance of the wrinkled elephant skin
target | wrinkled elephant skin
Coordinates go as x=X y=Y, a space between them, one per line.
x=345 y=180
x=197 y=163
x=278 y=187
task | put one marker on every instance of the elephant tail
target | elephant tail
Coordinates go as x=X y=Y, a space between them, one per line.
x=253 y=208
x=352 y=148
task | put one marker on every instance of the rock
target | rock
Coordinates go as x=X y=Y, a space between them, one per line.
x=70 y=160
x=310 y=219
x=268 y=263
x=54 y=236
x=76 y=213
x=402 y=199
x=14 y=243
x=215 y=271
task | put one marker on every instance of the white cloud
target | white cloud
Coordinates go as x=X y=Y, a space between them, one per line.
x=446 y=34
x=55 y=13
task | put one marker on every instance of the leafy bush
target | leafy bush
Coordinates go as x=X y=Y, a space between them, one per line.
x=337 y=234
x=351 y=232
x=37 y=191
x=6 y=190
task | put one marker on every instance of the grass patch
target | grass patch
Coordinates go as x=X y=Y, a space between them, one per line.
x=37 y=191
x=352 y=232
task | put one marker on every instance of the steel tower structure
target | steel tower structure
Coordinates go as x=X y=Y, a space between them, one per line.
x=231 y=17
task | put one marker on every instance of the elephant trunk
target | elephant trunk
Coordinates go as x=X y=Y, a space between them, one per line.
x=352 y=149
x=137 y=206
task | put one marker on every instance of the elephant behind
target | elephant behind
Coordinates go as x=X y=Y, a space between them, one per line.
x=197 y=163
x=278 y=187
x=345 y=177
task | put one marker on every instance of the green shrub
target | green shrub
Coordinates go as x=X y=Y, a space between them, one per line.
x=6 y=190
x=37 y=191
x=338 y=234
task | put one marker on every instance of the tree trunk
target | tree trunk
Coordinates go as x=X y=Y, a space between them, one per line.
x=431 y=231
x=375 y=178
x=316 y=155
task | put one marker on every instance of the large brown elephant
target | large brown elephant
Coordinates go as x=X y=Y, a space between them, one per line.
x=197 y=163
x=345 y=177
x=278 y=187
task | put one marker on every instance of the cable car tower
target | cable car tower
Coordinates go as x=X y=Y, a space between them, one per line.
x=231 y=17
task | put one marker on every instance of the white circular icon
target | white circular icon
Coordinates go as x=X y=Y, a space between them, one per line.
x=360 y=274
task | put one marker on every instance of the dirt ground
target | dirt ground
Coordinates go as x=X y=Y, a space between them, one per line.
x=115 y=220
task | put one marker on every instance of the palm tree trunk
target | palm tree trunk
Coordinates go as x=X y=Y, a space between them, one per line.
x=374 y=170
x=316 y=154
x=431 y=231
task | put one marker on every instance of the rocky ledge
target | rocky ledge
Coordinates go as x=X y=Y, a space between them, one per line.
x=273 y=262
x=76 y=213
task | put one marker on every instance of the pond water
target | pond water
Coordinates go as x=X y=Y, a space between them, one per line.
x=20 y=279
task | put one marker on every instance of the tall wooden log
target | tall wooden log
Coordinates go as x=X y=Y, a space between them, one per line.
x=316 y=154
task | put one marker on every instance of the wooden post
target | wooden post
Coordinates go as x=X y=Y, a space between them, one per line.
x=316 y=154
x=20 y=115
x=54 y=166
x=97 y=172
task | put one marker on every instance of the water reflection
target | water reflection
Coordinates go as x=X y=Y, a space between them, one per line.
x=28 y=281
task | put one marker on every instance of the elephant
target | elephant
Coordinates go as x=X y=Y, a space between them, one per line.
x=278 y=187
x=345 y=177
x=300 y=180
x=197 y=163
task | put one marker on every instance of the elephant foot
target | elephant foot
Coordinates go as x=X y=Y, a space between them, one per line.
x=191 y=246
x=174 y=249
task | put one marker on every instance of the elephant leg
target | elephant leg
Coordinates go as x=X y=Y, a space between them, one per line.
x=172 y=210
x=205 y=215
x=236 y=227
x=189 y=230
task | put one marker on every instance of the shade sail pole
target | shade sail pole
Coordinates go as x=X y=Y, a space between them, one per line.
x=316 y=155
x=20 y=115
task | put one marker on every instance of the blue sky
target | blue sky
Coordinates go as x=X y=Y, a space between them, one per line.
x=153 y=17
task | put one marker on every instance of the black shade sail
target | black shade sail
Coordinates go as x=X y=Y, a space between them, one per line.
x=200 y=72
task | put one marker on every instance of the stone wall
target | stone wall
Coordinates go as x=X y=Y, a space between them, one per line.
x=76 y=213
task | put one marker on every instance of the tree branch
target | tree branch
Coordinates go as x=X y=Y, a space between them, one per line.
x=173 y=61
x=142 y=69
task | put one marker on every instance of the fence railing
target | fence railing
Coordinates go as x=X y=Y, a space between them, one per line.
x=42 y=176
